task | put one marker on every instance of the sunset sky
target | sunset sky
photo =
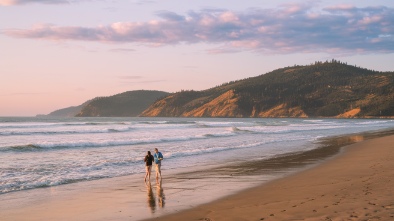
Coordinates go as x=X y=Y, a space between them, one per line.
x=60 y=53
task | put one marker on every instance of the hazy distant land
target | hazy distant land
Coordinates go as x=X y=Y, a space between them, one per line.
x=127 y=104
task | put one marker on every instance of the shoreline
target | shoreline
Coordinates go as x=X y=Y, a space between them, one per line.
x=126 y=198
x=353 y=185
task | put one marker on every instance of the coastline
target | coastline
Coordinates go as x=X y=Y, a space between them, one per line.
x=126 y=198
x=354 y=185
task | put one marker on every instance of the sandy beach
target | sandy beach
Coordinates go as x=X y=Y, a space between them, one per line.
x=355 y=185
x=350 y=183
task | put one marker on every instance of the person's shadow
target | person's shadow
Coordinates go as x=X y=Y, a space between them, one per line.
x=160 y=193
x=151 y=197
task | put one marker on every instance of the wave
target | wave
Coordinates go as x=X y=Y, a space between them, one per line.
x=200 y=151
x=20 y=126
x=236 y=129
x=206 y=124
x=218 y=135
x=166 y=122
x=99 y=123
x=46 y=132
x=29 y=147
x=240 y=128
x=375 y=122
x=24 y=178
x=313 y=121
x=96 y=128
x=113 y=168
x=106 y=143
x=52 y=125
x=196 y=141
x=13 y=187
x=278 y=129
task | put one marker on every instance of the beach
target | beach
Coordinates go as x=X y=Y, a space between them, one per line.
x=355 y=185
x=246 y=169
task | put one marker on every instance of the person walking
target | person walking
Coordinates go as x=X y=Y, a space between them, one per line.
x=158 y=158
x=148 y=165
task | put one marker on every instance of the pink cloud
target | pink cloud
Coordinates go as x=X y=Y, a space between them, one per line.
x=23 y=2
x=341 y=7
x=289 y=29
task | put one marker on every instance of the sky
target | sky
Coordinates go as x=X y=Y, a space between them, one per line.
x=60 y=53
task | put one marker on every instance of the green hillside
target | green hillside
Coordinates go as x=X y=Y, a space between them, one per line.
x=323 y=89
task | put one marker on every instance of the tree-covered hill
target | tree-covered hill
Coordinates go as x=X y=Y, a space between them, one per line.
x=322 y=89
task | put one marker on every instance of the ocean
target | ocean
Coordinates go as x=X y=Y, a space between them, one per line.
x=43 y=152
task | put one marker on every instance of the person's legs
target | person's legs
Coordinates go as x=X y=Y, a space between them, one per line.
x=148 y=171
x=158 y=170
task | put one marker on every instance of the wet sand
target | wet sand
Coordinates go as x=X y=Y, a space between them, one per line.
x=353 y=185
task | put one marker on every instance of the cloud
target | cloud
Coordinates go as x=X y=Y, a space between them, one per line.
x=170 y=16
x=21 y=2
x=292 y=28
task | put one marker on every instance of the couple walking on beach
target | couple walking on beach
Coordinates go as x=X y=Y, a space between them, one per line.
x=157 y=157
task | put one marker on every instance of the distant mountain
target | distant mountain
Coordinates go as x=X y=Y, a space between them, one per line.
x=127 y=104
x=323 y=89
x=68 y=112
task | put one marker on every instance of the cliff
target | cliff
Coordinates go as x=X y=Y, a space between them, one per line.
x=323 y=89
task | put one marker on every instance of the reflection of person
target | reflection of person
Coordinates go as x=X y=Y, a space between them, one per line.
x=148 y=165
x=160 y=194
x=158 y=158
x=151 y=197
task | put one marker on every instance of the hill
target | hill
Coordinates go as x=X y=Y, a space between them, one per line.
x=127 y=104
x=322 y=89
x=68 y=111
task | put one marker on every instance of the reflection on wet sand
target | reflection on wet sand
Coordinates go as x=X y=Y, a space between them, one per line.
x=160 y=194
x=152 y=198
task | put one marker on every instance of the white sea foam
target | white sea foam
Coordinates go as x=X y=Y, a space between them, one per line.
x=38 y=153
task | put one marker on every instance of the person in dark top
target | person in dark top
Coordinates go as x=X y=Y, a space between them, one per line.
x=148 y=165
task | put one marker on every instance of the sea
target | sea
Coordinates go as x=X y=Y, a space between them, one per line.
x=43 y=152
